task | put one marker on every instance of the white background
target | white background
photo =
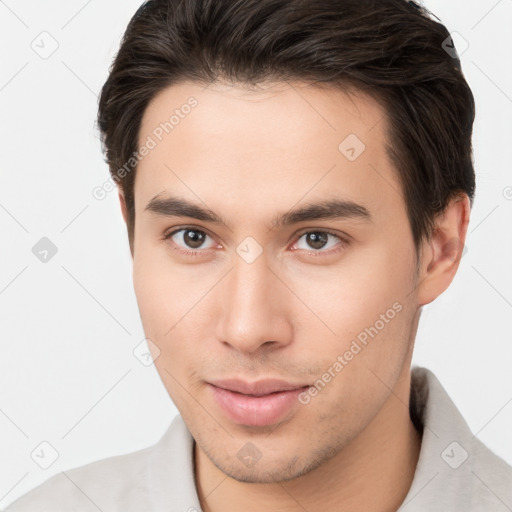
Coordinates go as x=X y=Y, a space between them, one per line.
x=69 y=326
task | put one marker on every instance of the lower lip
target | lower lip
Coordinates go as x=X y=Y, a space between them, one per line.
x=256 y=411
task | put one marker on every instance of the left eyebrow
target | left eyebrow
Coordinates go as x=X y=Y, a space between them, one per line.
x=334 y=209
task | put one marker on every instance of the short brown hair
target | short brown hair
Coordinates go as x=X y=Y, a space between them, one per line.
x=390 y=49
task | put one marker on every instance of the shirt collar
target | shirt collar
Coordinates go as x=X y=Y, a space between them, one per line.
x=455 y=470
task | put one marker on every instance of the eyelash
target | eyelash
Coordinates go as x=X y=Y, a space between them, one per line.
x=344 y=242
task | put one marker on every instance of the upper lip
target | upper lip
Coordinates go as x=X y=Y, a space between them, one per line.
x=260 y=387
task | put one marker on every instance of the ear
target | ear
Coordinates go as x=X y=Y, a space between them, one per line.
x=124 y=211
x=123 y=205
x=441 y=254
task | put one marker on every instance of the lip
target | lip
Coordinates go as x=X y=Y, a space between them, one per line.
x=260 y=387
x=257 y=404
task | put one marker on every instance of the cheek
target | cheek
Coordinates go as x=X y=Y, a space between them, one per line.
x=171 y=304
x=353 y=294
x=365 y=304
x=159 y=286
x=165 y=311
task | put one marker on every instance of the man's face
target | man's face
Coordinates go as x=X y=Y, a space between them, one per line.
x=325 y=300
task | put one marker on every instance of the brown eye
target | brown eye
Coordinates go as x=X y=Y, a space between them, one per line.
x=317 y=240
x=193 y=238
x=320 y=241
x=189 y=238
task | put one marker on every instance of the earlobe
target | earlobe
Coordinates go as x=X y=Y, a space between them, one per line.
x=443 y=252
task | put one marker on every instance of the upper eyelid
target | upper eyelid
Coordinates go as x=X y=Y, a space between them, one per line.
x=344 y=238
x=174 y=230
x=320 y=230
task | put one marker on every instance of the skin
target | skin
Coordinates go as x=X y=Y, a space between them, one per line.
x=247 y=155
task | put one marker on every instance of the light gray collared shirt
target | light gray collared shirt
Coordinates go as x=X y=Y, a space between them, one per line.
x=455 y=471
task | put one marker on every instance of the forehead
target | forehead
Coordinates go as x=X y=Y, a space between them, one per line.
x=278 y=143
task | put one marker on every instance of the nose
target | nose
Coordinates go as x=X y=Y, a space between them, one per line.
x=255 y=308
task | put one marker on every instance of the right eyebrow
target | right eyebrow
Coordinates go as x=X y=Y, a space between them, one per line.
x=176 y=207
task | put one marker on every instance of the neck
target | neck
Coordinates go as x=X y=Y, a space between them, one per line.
x=374 y=472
